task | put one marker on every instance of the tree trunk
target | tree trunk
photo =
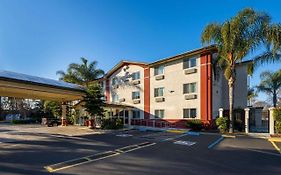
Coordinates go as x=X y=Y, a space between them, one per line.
x=274 y=98
x=231 y=101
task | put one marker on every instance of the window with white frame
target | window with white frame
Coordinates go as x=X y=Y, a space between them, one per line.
x=159 y=92
x=136 y=75
x=114 y=81
x=189 y=62
x=115 y=98
x=135 y=95
x=159 y=113
x=189 y=88
x=189 y=113
x=159 y=70
x=136 y=114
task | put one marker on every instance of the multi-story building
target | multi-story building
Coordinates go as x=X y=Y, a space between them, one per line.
x=174 y=89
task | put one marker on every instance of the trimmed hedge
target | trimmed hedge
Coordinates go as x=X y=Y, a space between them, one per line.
x=222 y=124
x=30 y=121
x=112 y=123
x=195 y=124
x=277 y=118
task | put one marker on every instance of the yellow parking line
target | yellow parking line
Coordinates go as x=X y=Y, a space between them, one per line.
x=275 y=146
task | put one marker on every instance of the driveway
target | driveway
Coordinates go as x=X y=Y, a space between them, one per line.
x=135 y=152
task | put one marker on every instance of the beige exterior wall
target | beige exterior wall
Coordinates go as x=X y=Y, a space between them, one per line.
x=125 y=89
x=220 y=90
x=173 y=90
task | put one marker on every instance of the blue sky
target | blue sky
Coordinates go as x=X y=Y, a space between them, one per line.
x=39 y=37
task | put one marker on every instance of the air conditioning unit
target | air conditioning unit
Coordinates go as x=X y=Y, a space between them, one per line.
x=122 y=100
x=159 y=77
x=159 y=99
x=136 y=82
x=115 y=86
x=190 y=71
x=190 y=96
x=136 y=101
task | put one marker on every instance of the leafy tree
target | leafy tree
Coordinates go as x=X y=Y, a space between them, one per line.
x=52 y=108
x=94 y=100
x=270 y=84
x=235 y=39
x=82 y=74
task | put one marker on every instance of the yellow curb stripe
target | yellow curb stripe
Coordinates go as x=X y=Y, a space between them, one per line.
x=274 y=139
x=228 y=136
x=73 y=165
x=275 y=146
x=88 y=160
x=176 y=131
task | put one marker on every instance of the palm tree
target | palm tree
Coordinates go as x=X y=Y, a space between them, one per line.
x=270 y=84
x=82 y=74
x=235 y=39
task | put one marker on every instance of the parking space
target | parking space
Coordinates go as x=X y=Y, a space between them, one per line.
x=139 y=152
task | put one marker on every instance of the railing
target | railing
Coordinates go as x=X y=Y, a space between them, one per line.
x=158 y=123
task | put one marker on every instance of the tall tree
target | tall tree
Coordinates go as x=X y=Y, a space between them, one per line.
x=93 y=100
x=235 y=39
x=270 y=84
x=82 y=74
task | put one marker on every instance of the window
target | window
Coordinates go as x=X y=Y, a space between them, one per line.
x=114 y=81
x=159 y=92
x=189 y=113
x=159 y=70
x=159 y=113
x=189 y=62
x=136 y=95
x=115 y=98
x=189 y=88
x=136 y=114
x=136 y=76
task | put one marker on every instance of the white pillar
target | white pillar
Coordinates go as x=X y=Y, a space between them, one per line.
x=247 y=116
x=220 y=112
x=130 y=116
x=271 y=121
x=63 y=114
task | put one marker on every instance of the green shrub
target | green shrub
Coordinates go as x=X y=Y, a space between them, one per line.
x=277 y=118
x=222 y=124
x=112 y=123
x=29 y=121
x=277 y=114
x=195 y=125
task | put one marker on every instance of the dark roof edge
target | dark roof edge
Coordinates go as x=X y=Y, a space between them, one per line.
x=189 y=53
x=41 y=84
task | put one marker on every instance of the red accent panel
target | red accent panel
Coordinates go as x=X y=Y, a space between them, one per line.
x=107 y=91
x=146 y=93
x=206 y=87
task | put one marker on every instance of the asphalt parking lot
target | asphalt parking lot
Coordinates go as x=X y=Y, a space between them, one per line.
x=137 y=152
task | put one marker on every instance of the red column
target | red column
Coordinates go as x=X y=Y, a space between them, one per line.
x=107 y=91
x=206 y=87
x=146 y=93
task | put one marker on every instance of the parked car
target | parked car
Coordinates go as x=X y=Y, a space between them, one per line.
x=51 y=122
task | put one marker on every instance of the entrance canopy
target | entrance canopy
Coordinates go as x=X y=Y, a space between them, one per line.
x=25 y=86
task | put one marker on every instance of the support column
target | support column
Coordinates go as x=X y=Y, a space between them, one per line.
x=247 y=116
x=130 y=116
x=220 y=112
x=63 y=114
x=271 y=121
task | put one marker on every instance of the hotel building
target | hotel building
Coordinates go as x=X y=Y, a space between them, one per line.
x=173 y=89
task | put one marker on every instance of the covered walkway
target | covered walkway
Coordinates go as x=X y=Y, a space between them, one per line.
x=31 y=87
